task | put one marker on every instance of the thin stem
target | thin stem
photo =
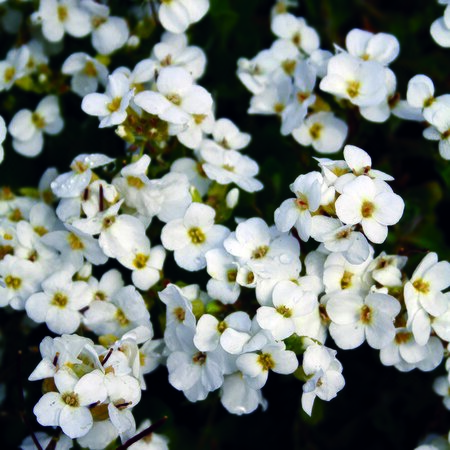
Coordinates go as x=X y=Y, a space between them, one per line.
x=142 y=434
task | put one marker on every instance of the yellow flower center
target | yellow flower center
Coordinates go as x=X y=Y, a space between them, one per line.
x=197 y=236
x=140 y=261
x=353 y=88
x=266 y=361
x=60 y=300
x=71 y=399
x=13 y=282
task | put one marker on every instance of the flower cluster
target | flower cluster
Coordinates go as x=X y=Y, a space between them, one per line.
x=96 y=253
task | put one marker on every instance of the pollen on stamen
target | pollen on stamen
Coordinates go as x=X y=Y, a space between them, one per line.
x=353 y=88
x=367 y=209
x=266 y=361
x=366 y=314
x=197 y=236
x=422 y=286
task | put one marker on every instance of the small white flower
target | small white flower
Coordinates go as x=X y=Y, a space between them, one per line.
x=323 y=130
x=73 y=183
x=110 y=107
x=108 y=33
x=371 y=203
x=177 y=98
x=297 y=211
x=381 y=47
x=406 y=354
x=289 y=302
x=192 y=236
x=355 y=319
x=360 y=82
x=230 y=166
x=177 y=15
x=325 y=375
x=27 y=127
x=272 y=356
x=60 y=303
x=13 y=67
x=62 y=16
x=68 y=408
x=295 y=29
x=424 y=296
x=238 y=397
x=86 y=73
x=174 y=51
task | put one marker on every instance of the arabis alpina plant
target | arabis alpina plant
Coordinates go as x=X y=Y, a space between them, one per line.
x=260 y=284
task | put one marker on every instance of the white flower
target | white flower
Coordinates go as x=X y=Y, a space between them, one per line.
x=68 y=408
x=230 y=166
x=341 y=275
x=194 y=372
x=177 y=98
x=174 y=51
x=238 y=397
x=122 y=312
x=380 y=47
x=27 y=127
x=440 y=30
x=62 y=16
x=289 y=302
x=146 y=264
x=325 y=375
x=360 y=82
x=110 y=107
x=63 y=443
x=386 y=269
x=420 y=93
x=274 y=98
x=355 y=319
x=73 y=183
x=60 y=303
x=13 y=67
x=108 y=33
x=74 y=246
x=86 y=73
x=272 y=356
x=442 y=387
x=360 y=163
x=20 y=278
x=119 y=233
x=232 y=333
x=177 y=15
x=192 y=236
x=194 y=172
x=287 y=26
x=325 y=132
x=338 y=237
x=371 y=203
x=439 y=131
x=223 y=270
x=297 y=211
x=424 y=296
x=227 y=135
x=58 y=352
x=180 y=320
x=406 y=354
x=302 y=98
